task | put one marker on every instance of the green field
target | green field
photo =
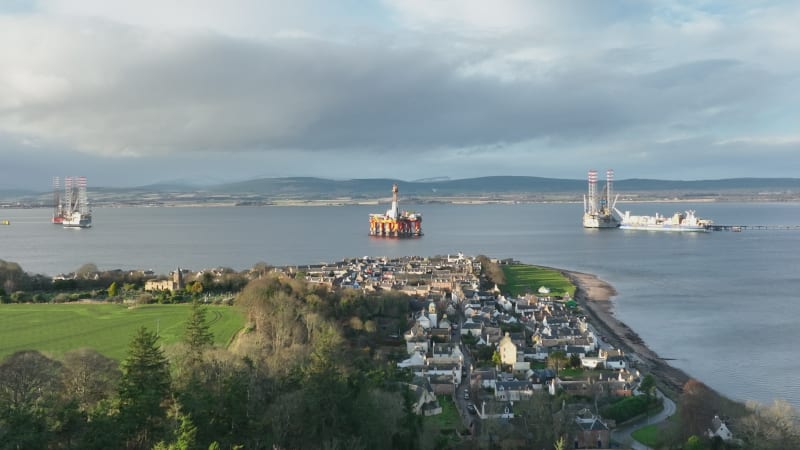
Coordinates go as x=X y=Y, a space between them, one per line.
x=107 y=328
x=524 y=278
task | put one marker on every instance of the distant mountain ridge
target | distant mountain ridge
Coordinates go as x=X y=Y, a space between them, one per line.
x=523 y=188
x=379 y=187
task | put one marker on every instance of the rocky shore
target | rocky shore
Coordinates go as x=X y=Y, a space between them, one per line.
x=594 y=296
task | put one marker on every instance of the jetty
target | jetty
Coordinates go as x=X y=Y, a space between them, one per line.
x=751 y=227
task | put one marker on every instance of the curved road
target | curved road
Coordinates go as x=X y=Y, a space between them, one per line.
x=623 y=435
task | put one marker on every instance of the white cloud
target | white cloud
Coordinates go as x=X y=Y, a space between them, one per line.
x=468 y=85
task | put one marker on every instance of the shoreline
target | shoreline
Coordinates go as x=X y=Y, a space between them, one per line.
x=594 y=296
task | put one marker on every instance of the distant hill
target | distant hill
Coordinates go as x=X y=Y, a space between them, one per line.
x=381 y=187
x=514 y=188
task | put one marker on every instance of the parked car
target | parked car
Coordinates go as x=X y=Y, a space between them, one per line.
x=471 y=409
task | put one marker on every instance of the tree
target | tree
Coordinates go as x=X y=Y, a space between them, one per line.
x=89 y=377
x=29 y=388
x=112 y=289
x=770 y=427
x=196 y=288
x=694 y=443
x=648 y=385
x=496 y=359
x=197 y=336
x=144 y=388
x=557 y=359
x=698 y=405
x=87 y=269
x=27 y=379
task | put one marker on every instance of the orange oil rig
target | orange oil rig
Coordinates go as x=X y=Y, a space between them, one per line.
x=395 y=223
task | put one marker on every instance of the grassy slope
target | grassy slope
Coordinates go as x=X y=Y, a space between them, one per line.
x=108 y=328
x=524 y=278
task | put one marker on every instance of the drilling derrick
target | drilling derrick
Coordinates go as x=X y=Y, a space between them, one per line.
x=58 y=205
x=598 y=209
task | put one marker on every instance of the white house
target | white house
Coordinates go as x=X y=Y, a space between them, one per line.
x=507 y=350
x=417 y=359
x=719 y=428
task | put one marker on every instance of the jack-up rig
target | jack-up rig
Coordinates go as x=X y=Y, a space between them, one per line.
x=72 y=210
x=395 y=223
x=598 y=209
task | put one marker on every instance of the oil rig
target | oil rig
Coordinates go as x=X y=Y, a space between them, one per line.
x=72 y=209
x=395 y=223
x=598 y=209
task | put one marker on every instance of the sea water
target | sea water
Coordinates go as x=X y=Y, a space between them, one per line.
x=723 y=305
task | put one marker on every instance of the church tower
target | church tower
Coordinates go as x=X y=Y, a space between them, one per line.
x=177 y=280
x=432 y=316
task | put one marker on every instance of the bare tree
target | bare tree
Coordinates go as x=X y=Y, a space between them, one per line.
x=89 y=376
x=770 y=427
x=698 y=405
x=28 y=379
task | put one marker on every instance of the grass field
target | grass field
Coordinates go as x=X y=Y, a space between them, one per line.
x=524 y=278
x=108 y=328
x=651 y=435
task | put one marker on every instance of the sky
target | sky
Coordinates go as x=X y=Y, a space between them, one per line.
x=130 y=93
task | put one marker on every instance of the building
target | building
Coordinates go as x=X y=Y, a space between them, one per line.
x=175 y=283
x=507 y=350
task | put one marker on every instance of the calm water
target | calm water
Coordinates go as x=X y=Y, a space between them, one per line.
x=724 y=305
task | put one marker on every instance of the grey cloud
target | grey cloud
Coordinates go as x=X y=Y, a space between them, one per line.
x=121 y=90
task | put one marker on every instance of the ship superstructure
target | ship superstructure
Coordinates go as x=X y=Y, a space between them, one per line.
x=395 y=223
x=685 y=221
x=76 y=212
x=598 y=208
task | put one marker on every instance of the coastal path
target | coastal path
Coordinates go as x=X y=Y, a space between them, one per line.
x=623 y=435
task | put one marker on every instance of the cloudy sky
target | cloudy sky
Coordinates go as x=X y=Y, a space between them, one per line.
x=141 y=91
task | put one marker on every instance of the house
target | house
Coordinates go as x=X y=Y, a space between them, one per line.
x=440 y=335
x=485 y=378
x=416 y=339
x=491 y=335
x=471 y=328
x=446 y=353
x=590 y=431
x=513 y=390
x=425 y=402
x=507 y=350
x=719 y=428
x=615 y=359
x=416 y=360
x=610 y=359
x=442 y=383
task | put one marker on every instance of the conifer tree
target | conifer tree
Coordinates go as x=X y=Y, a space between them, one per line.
x=144 y=388
x=198 y=335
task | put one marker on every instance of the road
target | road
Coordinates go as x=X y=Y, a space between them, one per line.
x=623 y=435
x=470 y=421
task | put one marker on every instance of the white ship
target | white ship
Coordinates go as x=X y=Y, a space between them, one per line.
x=77 y=213
x=685 y=221
x=598 y=209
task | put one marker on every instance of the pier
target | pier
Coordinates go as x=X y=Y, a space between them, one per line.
x=752 y=227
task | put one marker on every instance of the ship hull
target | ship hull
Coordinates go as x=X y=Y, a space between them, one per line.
x=668 y=228
x=599 y=221
x=77 y=220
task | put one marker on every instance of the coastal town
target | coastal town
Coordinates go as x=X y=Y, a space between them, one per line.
x=534 y=357
x=492 y=353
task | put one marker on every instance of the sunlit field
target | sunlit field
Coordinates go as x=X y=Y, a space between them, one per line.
x=107 y=328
